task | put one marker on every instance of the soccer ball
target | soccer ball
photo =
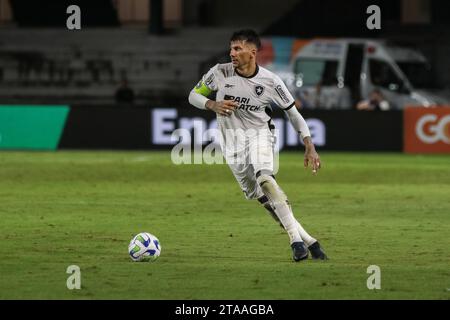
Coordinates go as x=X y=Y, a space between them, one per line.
x=144 y=247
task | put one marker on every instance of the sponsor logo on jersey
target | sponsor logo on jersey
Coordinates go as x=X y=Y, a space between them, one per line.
x=282 y=94
x=229 y=85
x=259 y=90
x=243 y=103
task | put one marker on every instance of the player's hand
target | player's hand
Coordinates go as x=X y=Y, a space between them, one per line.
x=311 y=156
x=224 y=108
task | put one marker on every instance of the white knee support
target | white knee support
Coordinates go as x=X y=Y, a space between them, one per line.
x=271 y=189
x=280 y=204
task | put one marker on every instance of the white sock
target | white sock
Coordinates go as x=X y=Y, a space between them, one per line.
x=280 y=205
x=287 y=219
x=305 y=236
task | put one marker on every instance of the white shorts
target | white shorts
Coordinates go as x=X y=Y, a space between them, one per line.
x=246 y=153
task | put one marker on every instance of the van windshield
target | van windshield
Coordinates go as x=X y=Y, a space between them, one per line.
x=382 y=74
x=314 y=71
x=419 y=74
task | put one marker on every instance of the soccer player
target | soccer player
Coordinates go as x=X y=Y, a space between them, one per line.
x=244 y=92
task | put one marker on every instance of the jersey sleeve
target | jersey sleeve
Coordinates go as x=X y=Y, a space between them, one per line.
x=208 y=83
x=281 y=95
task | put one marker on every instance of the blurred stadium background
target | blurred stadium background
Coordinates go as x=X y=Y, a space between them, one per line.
x=160 y=45
x=121 y=83
x=139 y=54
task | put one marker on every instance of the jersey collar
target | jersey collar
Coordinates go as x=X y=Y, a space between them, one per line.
x=249 y=77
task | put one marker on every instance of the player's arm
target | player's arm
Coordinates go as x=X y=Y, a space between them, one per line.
x=298 y=122
x=224 y=108
x=198 y=96
x=284 y=99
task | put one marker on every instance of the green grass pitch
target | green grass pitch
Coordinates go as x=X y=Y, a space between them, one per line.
x=82 y=208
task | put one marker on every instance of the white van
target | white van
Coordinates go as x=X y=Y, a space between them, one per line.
x=338 y=73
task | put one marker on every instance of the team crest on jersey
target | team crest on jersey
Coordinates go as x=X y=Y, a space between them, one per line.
x=259 y=90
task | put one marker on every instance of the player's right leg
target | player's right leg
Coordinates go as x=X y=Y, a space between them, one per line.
x=268 y=206
x=313 y=245
x=261 y=152
x=261 y=157
x=245 y=176
x=280 y=206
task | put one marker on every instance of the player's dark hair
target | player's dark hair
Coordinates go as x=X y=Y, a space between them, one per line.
x=377 y=91
x=247 y=35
